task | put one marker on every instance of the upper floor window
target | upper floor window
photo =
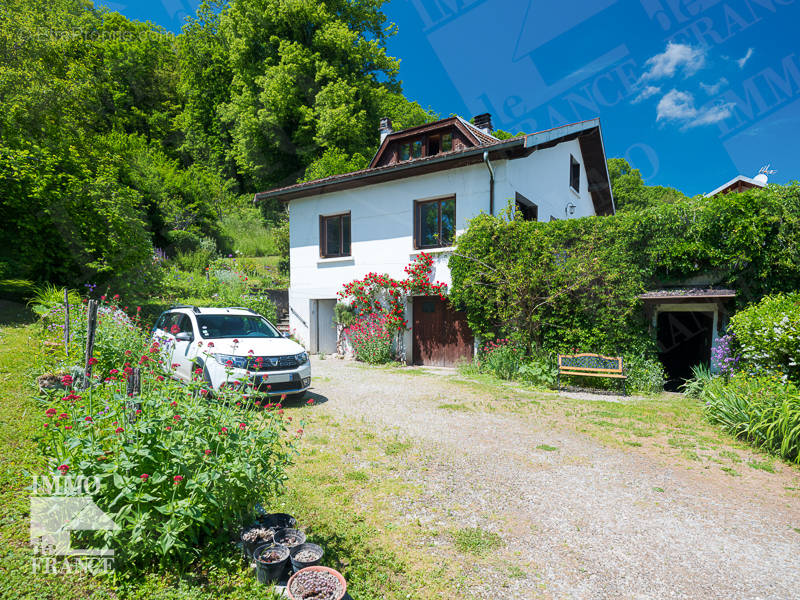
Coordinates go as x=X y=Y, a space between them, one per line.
x=334 y=235
x=405 y=151
x=574 y=174
x=416 y=149
x=447 y=142
x=435 y=222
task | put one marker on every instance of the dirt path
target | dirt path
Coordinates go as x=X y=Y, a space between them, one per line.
x=578 y=518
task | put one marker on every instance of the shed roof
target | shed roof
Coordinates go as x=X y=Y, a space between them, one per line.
x=689 y=294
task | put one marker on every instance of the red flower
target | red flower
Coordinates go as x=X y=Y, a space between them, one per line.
x=177 y=479
x=144 y=476
x=175 y=329
x=127 y=352
x=88 y=419
x=67 y=380
x=51 y=412
x=173 y=403
x=242 y=425
x=63 y=469
x=92 y=361
x=310 y=401
x=113 y=372
x=160 y=378
x=203 y=392
x=235 y=341
x=116 y=296
x=119 y=430
x=168 y=428
x=210 y=344
x=177 y=417
x=208 y=452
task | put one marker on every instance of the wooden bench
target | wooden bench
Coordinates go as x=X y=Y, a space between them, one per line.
x=587 y=364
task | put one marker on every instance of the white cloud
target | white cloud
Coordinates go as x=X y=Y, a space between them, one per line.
x=675 y=56
x=679 y=106
x=743 y=61
x=646 y=93
x=712 y=89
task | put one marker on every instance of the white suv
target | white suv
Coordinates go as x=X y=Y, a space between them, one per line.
x=232 y=346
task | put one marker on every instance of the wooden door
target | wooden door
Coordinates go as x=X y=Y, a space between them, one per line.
x=441 y=335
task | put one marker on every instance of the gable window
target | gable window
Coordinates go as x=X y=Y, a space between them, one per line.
x=334 y=235
x=433 y=145
x=416 y=149
x=447 y=142
x=405 y=151
x=435 y=222
x=574 y=174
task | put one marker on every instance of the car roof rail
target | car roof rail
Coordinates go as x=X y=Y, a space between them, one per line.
x=195 y=309
x=250 y=310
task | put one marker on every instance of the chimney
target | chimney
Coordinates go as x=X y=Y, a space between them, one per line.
x=385 y=127
x=484 y=122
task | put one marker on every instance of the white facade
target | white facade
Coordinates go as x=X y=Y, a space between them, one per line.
x=382 y=227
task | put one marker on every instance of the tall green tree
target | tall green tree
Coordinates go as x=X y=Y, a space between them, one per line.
x=630 y=191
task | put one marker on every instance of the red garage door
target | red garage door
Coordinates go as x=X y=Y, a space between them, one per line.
x=441 y=334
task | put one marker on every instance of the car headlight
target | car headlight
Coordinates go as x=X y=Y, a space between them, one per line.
x=301 y=358
x=229 y=360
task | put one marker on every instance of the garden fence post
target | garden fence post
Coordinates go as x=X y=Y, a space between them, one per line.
x=91 y=327
x=134 y=389
x=66 y=322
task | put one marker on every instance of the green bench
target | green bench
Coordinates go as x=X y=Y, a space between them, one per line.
x=587 y=364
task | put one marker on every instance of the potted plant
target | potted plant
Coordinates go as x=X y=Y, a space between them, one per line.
x=289 y=537
x=319 y=583
x=271 y=560
x=254 y=536
x=305 y=555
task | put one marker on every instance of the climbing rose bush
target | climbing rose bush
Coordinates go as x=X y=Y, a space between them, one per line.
x=174 y=467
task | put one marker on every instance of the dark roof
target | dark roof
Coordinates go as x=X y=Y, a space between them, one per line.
x=688 y=294
x=587 y=132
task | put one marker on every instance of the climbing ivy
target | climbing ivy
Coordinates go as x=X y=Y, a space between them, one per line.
x=575 y=283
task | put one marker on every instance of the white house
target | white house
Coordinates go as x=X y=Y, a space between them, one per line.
x=418 y=193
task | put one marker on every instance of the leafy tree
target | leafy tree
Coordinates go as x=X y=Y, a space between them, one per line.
x=630 y=191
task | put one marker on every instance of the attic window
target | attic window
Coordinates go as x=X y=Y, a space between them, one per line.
x=416 y=149
x=447 y=142
x=574 y=174
x=405 y=151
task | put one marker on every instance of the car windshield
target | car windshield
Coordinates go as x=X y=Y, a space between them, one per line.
x=235 y=326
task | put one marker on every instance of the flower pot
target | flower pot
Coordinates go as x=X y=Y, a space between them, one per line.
x=278 y=521
x=267 y=572
x=289 y=537
x=254 y=536
x=296 y=591
x=301 y=556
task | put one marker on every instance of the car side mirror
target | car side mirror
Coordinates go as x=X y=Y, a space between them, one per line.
x=184 y=336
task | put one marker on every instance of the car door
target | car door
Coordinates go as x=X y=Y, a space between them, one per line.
x=183 y=350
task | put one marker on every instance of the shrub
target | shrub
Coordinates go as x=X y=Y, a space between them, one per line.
x=762 y=409
x=249 y=234
x=501 y=358
x=768 y=335
x=539 y=370
x=371 y=340
x=180 y=241
x=644 y=374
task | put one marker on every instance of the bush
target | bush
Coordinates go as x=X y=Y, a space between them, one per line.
x=644 y=374
x=540 y=370
x=767 y=335
x=501 y=358
x=371 y=340
x=183 y=242
x=174 y=469
x=249 y=234
x=701 y=375
x=763 y=410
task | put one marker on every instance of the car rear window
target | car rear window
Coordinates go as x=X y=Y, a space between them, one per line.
x=235 y=326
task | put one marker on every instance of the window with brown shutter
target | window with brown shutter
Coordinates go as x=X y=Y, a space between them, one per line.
x=334 y=235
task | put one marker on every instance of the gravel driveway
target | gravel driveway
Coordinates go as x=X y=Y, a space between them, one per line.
x=581 y=519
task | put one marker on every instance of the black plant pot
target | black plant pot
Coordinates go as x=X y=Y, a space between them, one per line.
x=278 y=521
x=289 y=537
x=267 y=572
x=248 y=547
x=301 y=564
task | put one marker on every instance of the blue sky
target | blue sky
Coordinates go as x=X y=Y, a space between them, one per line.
x=691 y=92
